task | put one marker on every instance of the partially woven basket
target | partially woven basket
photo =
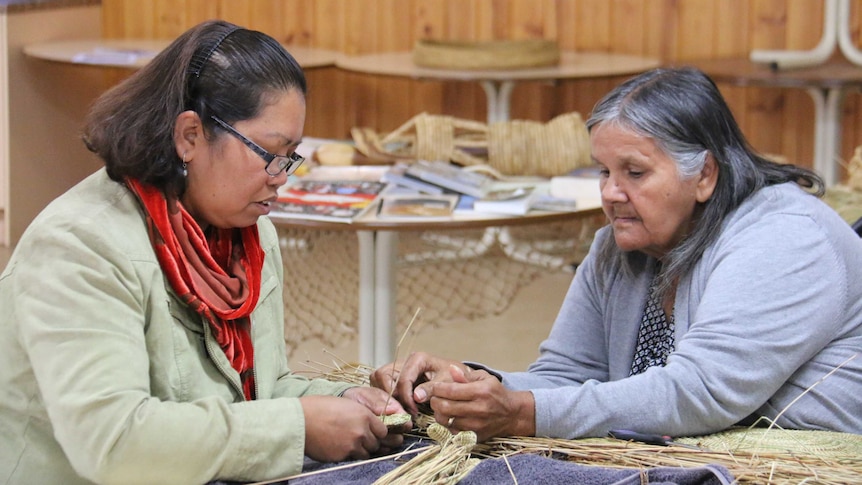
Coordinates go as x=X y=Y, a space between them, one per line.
x=517 y=147
x=500 y=54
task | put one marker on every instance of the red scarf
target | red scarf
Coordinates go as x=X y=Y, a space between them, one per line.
x=217 y=276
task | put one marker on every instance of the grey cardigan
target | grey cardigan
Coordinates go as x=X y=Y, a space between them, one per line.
x=773 y=308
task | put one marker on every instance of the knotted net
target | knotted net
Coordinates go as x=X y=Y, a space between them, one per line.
x=452 y=274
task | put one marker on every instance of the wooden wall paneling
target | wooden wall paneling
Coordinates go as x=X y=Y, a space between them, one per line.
x=500 y=27
x=268 y=17
x=533 y=20
x=467 y=99
x=196 y=11
x=765 y=108
x=396 y=98
x=427 y=22
x=325 y=104
x=797 y=130
x=360 y=23
x=732 y=37
x=483 y=19
x=769 y=23
x=236 y=11
x=114 y=23
x=170 y=19
x=628 y=29
x=592 y=25
x=327 y=25
x=528 y=19
x=565 y=28
x=661 y=24
x=697 y=31
x=736 y=99
x=462 y=20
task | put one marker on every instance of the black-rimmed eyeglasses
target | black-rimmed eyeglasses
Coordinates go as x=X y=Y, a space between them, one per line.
x=286 y=163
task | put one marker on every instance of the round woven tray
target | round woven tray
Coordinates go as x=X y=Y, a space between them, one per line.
x=501 y=54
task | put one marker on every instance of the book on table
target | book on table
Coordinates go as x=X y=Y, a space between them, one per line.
x=581 y=184
x=511 y=198
x=327 y=200
x=416 y=206
x=521 y=199
x=450 y=177
x=397 y=175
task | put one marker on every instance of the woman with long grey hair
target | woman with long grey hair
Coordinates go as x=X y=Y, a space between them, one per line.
x=721 y=292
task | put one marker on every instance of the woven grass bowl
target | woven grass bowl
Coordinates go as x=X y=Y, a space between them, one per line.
x=486 y=55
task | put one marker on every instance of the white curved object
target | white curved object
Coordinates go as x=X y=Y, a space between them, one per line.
x=783 y=59
x=845 y=42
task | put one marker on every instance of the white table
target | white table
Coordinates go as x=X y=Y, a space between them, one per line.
x=378 y=249
x=498 y=84
x=135 y=53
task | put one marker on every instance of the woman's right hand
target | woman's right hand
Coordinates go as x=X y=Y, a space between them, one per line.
x=338 y=429
x=413 y=379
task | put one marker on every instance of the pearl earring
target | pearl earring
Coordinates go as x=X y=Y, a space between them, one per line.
x=185 y=166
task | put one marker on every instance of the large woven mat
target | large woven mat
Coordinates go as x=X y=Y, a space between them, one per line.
x=452 y=274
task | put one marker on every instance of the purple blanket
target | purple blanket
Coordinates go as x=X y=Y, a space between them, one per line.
x=534 y=469
x=527 y=468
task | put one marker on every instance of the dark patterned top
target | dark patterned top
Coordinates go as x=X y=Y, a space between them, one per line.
x=656 y=335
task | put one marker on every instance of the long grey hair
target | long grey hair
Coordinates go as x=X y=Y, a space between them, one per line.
x=682 y=110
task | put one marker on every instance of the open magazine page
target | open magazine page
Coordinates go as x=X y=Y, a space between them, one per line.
x=318 y=197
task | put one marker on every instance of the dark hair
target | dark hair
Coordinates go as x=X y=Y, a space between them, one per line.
x=683 y=112
x=214 y=68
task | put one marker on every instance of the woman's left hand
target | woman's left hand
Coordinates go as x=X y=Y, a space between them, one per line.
x=478 y=401
x=381 y=404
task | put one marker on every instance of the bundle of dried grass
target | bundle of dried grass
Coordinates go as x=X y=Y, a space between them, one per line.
x=846 y=199
x=445 y=463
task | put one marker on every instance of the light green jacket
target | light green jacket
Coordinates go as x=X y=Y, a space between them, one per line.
x=107 y=377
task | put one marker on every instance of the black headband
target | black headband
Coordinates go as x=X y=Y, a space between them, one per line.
x=198 y=62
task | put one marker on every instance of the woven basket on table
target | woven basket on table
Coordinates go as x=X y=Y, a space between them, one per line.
x=517 y=147
x=499 y=54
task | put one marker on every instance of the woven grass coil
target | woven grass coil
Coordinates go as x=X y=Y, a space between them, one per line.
x=479 y=55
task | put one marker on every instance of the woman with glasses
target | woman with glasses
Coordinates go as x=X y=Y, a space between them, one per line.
x=142 y=311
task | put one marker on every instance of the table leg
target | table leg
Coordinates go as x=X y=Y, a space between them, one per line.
x=827 y=131
x=385 y=297
x=845 y=34
x=367 y=265
x=499 y=95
